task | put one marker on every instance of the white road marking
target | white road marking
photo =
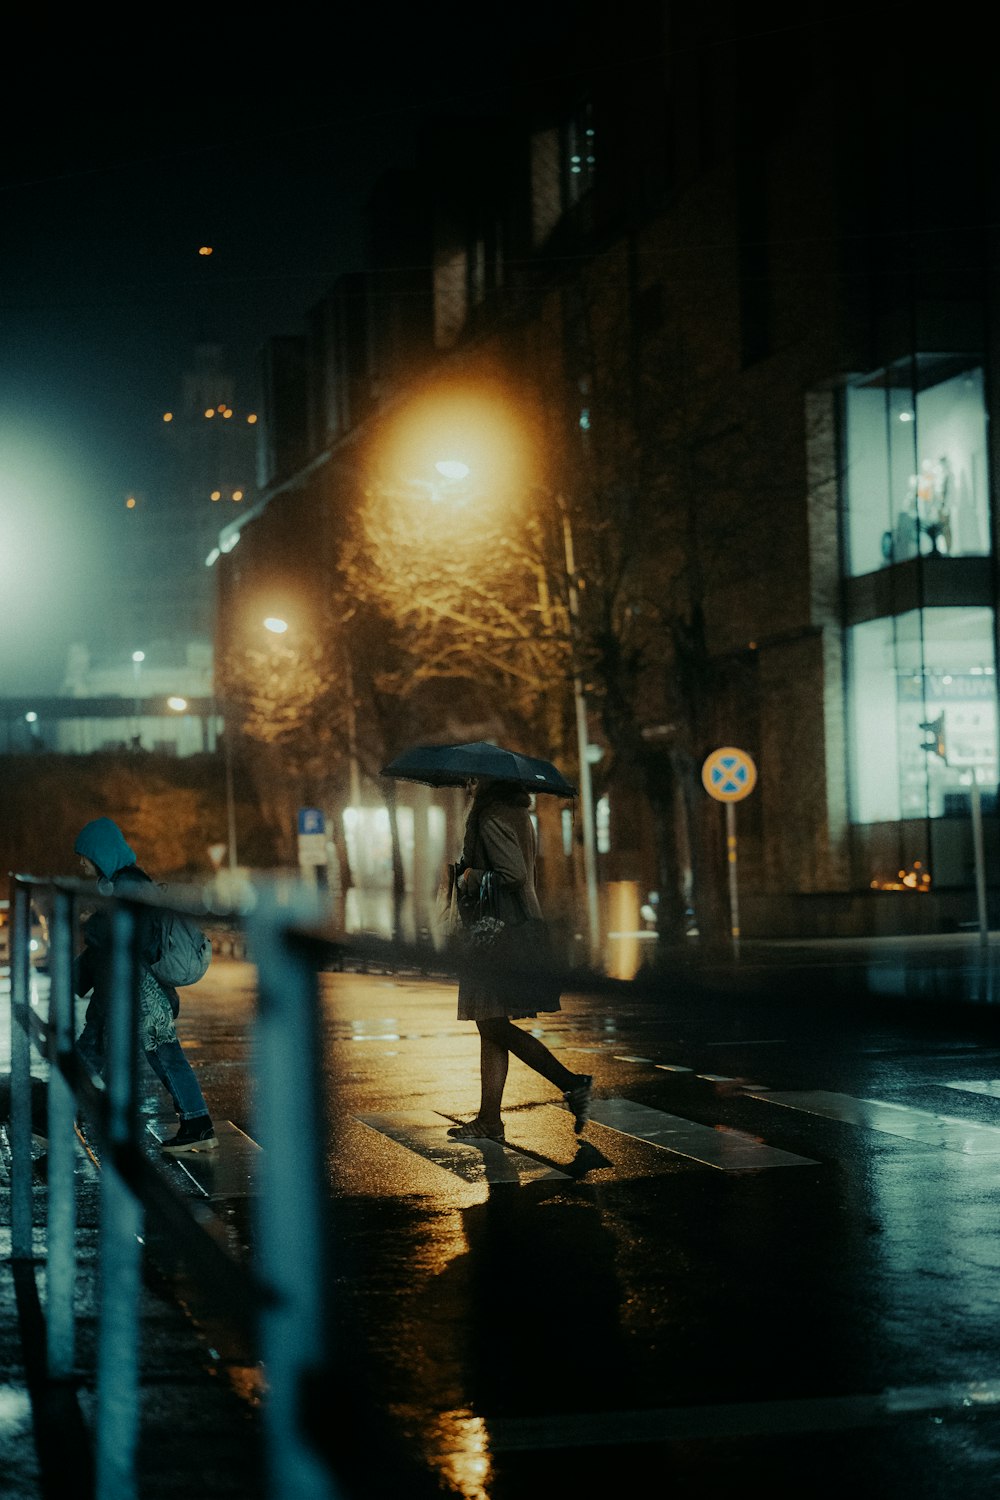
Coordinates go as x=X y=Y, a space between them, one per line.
x=745 y=1419
x=990 y=1086
x=712 y=1145
x=425 y=1132
x=925 y=1126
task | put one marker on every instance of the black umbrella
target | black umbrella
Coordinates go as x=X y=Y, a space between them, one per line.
x=453 y=765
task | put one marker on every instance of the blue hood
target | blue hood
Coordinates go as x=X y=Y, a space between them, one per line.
x=104 y=843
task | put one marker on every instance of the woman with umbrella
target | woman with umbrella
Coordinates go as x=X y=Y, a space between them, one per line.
x=500 y=837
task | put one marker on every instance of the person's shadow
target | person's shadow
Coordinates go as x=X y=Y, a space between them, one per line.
x=504 y=1309
x=539 y=1295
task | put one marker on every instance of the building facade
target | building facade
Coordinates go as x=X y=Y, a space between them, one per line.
x=750 y=298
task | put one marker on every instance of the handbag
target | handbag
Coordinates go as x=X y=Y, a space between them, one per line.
x=520 y=951
x=448 y=920
x=486 y=926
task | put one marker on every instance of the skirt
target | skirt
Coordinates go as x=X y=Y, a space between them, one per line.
x=512 y=976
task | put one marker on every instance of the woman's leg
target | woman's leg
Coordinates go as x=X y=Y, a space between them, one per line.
x=530 y=1051
x=172 y=1068
x=576 y=1088
x=493 y=1062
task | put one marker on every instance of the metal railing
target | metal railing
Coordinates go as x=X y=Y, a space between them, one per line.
x=280 y=1298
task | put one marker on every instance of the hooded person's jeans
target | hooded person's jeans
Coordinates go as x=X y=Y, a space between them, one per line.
x=167 y=1061
x=178 y=1077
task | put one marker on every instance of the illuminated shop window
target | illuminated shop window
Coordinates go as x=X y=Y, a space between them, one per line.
x=922 y=713
x=915 y=477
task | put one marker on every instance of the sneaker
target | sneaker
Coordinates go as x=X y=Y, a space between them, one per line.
x=578 y=1100
x=474 y=1130
x=193 y=1136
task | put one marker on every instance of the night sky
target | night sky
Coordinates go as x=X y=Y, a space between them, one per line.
x=116 y=169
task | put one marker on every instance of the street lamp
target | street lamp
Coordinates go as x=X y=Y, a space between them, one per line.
x=456 y=470
x=276 y=626
x=138 y=657
x=582 y=742
x=222 y=713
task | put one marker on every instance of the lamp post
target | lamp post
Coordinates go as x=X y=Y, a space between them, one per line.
x=582 y=741
x=230 y=800
x=138 y=657
x=454 y=472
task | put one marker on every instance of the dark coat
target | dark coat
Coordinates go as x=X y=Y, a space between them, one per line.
x=104 y=844
x=500 y=836
x=92 y=966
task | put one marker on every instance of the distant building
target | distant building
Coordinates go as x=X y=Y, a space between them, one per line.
x=208 y=474
x=162 y=703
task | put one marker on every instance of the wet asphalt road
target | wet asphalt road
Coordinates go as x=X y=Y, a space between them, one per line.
x=772 y=1258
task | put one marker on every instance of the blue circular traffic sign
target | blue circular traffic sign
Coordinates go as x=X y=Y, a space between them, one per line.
x=729 y=774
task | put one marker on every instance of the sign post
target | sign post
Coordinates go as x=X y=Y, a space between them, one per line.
x=312 y=841
x=729 y=775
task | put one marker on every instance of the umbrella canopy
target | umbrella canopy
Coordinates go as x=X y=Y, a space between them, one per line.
x=453 y=765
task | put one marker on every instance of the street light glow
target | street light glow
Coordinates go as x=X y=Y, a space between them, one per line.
x=452 y=468
x=138 y=656
x=275 y=625
x=177 y=704
x=456 y=431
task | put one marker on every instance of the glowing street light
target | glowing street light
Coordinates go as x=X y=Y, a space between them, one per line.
x=275 y=624
x=452 y=468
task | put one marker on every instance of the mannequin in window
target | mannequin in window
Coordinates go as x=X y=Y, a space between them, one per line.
x=933 y=513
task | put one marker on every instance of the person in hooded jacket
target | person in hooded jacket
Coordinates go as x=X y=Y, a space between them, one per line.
x=105 y=855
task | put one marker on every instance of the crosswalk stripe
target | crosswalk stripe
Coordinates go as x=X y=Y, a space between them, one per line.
x=989 y=1086
x=925 y=1126
x=747 y=1419
x=424 y=1131
x=713 y=1146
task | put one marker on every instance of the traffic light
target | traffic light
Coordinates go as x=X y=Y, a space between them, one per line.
x=935 y=744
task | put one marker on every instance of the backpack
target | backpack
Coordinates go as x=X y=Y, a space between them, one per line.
x=185 y=952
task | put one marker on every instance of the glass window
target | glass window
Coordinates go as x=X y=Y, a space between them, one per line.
x=915 y=479
x=578 y=155
x=923 y=713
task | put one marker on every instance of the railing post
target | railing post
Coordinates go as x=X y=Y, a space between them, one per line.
x=22 y=1247
x=121 y=1232
x=291 y=1238
x=61 y=1226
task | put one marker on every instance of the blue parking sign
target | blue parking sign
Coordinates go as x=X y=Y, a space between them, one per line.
x=311 y=820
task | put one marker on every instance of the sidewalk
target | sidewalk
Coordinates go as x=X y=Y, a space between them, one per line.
x=935 y=970
x=197 y=1436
